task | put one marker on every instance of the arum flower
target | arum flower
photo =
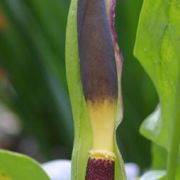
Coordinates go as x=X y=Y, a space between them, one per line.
x=98 y=69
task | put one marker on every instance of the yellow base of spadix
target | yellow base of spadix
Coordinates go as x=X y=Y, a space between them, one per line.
x=102 y=115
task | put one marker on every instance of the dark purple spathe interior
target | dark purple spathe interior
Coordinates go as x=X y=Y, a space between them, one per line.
x=97 y=47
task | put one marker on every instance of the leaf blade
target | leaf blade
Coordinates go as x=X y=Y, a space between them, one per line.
x=18 y=167
x=155 y=49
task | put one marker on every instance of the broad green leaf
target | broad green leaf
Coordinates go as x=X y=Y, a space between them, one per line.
x=158 y=50
x=83 y=132
x=14 y=166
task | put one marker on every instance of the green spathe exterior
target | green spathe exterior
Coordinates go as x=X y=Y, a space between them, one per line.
x=83 y=132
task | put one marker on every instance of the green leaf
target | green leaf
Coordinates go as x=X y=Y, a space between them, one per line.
x=83 y=132
x=158 y=50
x=14 y=166
x=159 y=157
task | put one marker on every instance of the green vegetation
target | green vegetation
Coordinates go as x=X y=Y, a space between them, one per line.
x=33 y=83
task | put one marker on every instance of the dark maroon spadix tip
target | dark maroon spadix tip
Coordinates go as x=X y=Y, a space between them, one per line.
x=100 y=169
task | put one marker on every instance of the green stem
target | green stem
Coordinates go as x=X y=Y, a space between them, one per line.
x=174 y=139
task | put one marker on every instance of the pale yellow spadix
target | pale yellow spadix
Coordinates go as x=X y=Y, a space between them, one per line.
x=102 y=115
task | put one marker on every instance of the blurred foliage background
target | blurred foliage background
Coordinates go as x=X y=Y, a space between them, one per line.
x=33 y=81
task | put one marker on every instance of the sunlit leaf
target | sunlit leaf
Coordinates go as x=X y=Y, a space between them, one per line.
x=158 y=49
x=14 y=166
